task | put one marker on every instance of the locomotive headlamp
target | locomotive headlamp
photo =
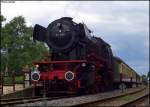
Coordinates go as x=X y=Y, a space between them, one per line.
x=69 y=76
x=35 y=76
x=37 y=66
x=83 y=64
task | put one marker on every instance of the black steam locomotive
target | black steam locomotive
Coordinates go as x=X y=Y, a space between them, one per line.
x=67 y=38
x=80 y=62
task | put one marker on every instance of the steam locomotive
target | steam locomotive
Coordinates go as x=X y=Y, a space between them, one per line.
x=79 y=62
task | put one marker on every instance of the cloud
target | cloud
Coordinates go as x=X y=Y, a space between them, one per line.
x=34 y=11
x=90 y=18
x=28 y=23
x=123 y=24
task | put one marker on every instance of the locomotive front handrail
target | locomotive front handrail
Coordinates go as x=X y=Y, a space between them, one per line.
x=59 y=62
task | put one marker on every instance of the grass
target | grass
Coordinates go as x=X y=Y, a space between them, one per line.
x=127 y=97
x=132 y=96
x=9 y=80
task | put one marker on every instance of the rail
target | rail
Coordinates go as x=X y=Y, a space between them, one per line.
x=15 y=101
x=136 y=101
x=108 y=99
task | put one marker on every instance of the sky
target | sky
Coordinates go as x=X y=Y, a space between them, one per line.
x=122 y=24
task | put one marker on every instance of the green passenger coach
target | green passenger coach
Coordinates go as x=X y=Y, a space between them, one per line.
x=124 y=75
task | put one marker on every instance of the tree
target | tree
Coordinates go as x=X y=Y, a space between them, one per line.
x=2 y=19
x=144 y=77
x=17 y=46
x=3 y=57
x=148 y=74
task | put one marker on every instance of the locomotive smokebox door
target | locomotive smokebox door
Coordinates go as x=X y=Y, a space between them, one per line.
x=39 y=33
x=61 y=34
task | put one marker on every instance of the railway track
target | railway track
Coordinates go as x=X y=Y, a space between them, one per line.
x=12 y=101
x=109 y=101
x=138 y=101
x=15 y=101
x=118 y=100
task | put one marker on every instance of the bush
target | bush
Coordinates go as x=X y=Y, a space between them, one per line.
x=9 y=80
x=19 y=80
